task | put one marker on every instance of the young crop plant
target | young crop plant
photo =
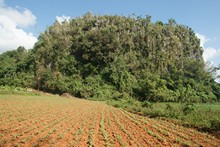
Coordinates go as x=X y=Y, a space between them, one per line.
x=121 y=126
x=53 y=124
x=109 y=122
x=180 y=133
x=77 y=135
x=172 y=129
x=131 y=118
x=17 y=135
x=3 y=141
x=68 y=129
x=90 y=139
x=26 y=139
x=177 y=140
x=44 y=138
x=104 y=133
x=186 y=144
x=119 y=138
x=164 y=132
x=60 y=136
x=15 y=145
x=12 y=127
x=52 y=131
x=21 y=119
x=80 y=131
x=135 y=117
x=155 y=135
x=37 y=132
x=91 y=133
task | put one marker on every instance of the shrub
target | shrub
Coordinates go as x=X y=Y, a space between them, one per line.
x=147 y=104
x=171 y=111
x=215 y=124
x=188 y=108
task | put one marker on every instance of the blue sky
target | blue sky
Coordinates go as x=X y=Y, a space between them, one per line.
x=203 y=16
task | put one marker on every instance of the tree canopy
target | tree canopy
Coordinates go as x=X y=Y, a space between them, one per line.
x=114 y=57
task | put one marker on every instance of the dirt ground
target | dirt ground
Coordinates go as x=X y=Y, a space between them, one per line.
x=55 y=121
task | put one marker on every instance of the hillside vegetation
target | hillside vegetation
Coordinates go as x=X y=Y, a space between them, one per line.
x=114 y=57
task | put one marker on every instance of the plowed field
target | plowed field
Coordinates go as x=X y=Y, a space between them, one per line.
x=57 y=121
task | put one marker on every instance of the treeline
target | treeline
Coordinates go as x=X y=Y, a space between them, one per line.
x=114 y=57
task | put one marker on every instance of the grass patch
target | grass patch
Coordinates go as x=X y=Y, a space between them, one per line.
x=6 y=90
x=200 y=116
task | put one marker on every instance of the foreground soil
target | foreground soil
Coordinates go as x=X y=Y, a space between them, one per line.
x=57 y=121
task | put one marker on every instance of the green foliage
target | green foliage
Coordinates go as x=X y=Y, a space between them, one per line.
x=147 y=104
x=215 y=124
x=5 y=90
x=16 y=68
x=189 y=108
x=126 y=103
x=202 y=116
x=171 y=111
x=114 y=57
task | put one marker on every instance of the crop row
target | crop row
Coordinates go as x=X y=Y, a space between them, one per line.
x=175 y=133
x=70 y=122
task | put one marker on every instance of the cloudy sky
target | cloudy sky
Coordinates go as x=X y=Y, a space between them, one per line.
x=21 y=21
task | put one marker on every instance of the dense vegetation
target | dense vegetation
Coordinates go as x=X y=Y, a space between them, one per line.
x=128 y=61
x=114 y=57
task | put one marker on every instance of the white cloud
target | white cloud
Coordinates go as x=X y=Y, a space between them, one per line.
x=1 y=2
x=209 y=52
x=12 y=24
x=202 y=38
x=63 y=18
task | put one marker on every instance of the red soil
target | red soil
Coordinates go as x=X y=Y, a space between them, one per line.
x=53 y=121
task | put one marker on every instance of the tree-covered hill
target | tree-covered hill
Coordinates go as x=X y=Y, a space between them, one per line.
x=114 y=57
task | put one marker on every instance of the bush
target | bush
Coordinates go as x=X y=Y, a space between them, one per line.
x=147 y=104
x=172 y=112
x=188 y=108
x=152 y=113
x=215 y=124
